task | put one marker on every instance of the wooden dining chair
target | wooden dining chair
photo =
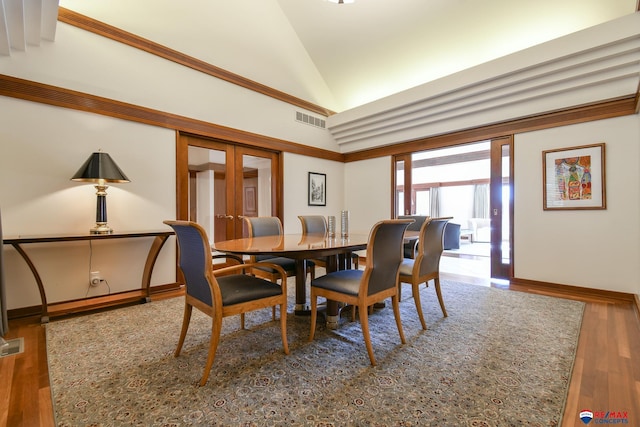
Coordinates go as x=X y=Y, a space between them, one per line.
x=317 y=225
x=426 y=265
x=259 y=226
x=363 y=288
x=221 y=293
x=314 y=225
x=411 y=245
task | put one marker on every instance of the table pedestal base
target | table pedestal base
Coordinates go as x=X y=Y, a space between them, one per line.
x=332 y=322
x=302 y=310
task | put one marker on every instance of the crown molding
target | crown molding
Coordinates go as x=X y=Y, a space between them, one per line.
x=100 y=28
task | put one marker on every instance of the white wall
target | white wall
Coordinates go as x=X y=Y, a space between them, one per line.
x=296 y=175
x=92 y=64
x=367 y=192
x=41 y=147
x=591 y=248
x=250 y=38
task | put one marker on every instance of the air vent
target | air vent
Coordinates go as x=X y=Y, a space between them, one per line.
x=310 y=120
x=15 y=346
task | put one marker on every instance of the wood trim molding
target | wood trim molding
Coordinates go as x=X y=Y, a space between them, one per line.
x=66 y=98
x=602 y=110
x=119 y=299
x=100 y=28
x=572 y=292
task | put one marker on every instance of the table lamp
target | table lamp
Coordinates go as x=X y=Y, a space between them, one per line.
x=101 y=169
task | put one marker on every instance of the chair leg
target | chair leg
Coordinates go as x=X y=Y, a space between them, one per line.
x=241 y=320
x=439 y=293
x=364 y=324
x=216 y=327
x=283 y=327
x=415 y=287
x=355 y=310
x=396 y=313
x=314 y=315
x=186 y=318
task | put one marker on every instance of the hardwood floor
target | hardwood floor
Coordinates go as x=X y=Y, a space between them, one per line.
x=606 y=374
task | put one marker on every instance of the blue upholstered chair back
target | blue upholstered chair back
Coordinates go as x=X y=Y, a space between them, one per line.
x=194 y=260
x=264 y=226
x=418 y=221
x=259 y=226
x=385 y=250
x=431 y=245
x=313 y=224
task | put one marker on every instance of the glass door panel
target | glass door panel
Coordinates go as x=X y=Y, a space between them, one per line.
x=501 y=208
x=207 y=191
x=219 y=182
x=255 y=184
x=403 y=195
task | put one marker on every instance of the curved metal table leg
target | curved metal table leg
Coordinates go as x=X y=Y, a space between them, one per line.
x=43 y=297
x=154 y=251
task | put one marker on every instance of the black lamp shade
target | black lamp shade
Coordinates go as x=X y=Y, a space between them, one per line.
x=100 y=166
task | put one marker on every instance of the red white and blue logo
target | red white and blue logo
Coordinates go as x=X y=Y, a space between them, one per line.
x=586 y=416
x=604 y=417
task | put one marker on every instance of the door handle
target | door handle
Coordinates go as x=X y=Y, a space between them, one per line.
x=221 y=216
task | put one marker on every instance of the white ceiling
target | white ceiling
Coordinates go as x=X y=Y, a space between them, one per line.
x=360 y=52
x=374 y=48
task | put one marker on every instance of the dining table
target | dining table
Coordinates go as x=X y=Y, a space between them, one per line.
x=302 y=247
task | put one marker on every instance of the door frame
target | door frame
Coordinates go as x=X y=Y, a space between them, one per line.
x=233 y=152
x=499 y=270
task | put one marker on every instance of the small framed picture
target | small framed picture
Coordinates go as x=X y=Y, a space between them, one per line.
x=574 y=178
x=317 y=189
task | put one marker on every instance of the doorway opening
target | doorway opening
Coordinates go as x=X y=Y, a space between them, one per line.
x=468 y=183
x=220 y=182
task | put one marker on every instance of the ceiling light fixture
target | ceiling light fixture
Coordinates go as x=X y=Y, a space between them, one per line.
x=341 y=1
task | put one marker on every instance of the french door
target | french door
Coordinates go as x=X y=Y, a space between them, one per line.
x=219 y=182
x=464 y=181
x=501 y=207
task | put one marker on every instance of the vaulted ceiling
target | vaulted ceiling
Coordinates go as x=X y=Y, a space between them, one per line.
x=374 y=48
x=362 y=51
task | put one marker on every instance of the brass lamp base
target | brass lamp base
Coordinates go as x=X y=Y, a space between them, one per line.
x=101 y=228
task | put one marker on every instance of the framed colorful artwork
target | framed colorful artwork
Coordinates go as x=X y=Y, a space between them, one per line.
x=317 y=189
x=574 y=178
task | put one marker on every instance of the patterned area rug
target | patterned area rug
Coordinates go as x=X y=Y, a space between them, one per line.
x=501 y=358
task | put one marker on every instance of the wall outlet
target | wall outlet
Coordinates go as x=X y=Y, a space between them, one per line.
x=95 y=278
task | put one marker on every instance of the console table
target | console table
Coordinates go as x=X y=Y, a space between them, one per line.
x=160 y=238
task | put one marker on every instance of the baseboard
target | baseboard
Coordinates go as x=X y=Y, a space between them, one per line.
x=576 y=291
x=90 y=304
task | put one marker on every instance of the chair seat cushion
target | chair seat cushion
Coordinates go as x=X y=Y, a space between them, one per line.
x=239 y=288
x=406 y=268
x=288 y=264
x=344 y=281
